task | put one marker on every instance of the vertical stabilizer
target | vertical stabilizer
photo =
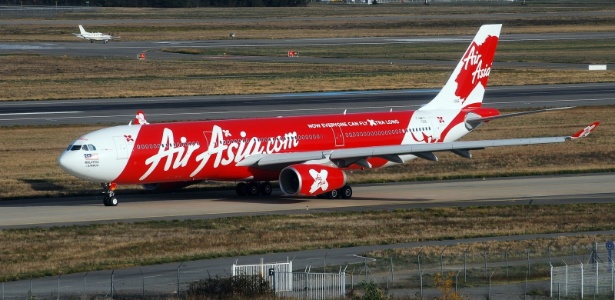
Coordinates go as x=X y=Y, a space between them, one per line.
x=82 y=30
x=466 y=86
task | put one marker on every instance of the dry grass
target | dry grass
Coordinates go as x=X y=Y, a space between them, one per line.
x=317 y=21
x=499 y=250
x=175 y=33
x=31 y=77
x=37 y=78
x=61 y=250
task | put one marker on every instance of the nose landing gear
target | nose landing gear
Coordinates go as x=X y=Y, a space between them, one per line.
x=109 y=199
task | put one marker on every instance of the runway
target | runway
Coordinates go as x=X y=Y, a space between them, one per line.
x=164 y=109
x=589 y=188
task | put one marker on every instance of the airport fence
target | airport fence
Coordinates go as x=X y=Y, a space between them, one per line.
x=299 y=285
x=575 y=271
x=594 y=278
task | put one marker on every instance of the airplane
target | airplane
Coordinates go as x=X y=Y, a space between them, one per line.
x=307 y=155
x=94 y=36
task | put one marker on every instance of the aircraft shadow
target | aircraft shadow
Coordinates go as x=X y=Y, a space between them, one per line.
x=139 y=196
x=42 y=184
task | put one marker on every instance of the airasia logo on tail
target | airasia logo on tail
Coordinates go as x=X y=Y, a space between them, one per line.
x=476 y=67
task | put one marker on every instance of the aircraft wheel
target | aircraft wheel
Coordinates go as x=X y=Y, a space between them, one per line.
x=334 y=194
x=110 y=201
x=253 y=188
x=266 y=188
x=241 y=189
x=346 y=192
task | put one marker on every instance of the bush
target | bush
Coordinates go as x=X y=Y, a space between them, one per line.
x=249 y=287
x=370 y=291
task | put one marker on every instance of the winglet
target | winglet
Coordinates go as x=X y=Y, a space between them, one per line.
x=585 y=132
x=139 y=118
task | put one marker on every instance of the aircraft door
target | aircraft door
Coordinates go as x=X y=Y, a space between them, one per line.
x=436 y=126
x=206 y=134
x=338 y=136
x=120 y=147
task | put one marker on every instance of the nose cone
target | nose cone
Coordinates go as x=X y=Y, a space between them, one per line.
x=100 y=156
x=70 y=163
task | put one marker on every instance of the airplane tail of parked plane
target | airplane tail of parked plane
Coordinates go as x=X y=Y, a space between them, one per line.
x=82 y=30
x=466 y=86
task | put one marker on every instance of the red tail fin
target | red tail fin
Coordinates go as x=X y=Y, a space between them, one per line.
x=466 y=86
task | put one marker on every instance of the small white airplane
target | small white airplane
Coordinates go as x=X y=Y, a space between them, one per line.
x=94 y=36
x=307 y=155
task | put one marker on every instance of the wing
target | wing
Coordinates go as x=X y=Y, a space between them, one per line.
x=346 y=157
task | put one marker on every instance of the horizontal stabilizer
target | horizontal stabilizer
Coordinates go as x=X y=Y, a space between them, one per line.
x=473 y=120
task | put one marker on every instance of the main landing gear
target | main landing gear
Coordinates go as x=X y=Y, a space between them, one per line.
x=109 y=199
x=254 y=188
x=344 y=192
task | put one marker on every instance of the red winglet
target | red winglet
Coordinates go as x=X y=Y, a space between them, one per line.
x=586 y=131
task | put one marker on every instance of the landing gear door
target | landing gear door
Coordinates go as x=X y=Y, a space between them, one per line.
x=120 y=147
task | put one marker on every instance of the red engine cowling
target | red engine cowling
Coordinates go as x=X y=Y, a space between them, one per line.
x=310 y=180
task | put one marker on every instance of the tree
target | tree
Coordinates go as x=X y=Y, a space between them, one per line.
x=447 y=286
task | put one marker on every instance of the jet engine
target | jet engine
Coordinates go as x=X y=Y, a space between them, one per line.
x=168 y=186
x=311 y=180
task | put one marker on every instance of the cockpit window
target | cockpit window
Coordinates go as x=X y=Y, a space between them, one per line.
x=88 y=147
x=74 y=147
